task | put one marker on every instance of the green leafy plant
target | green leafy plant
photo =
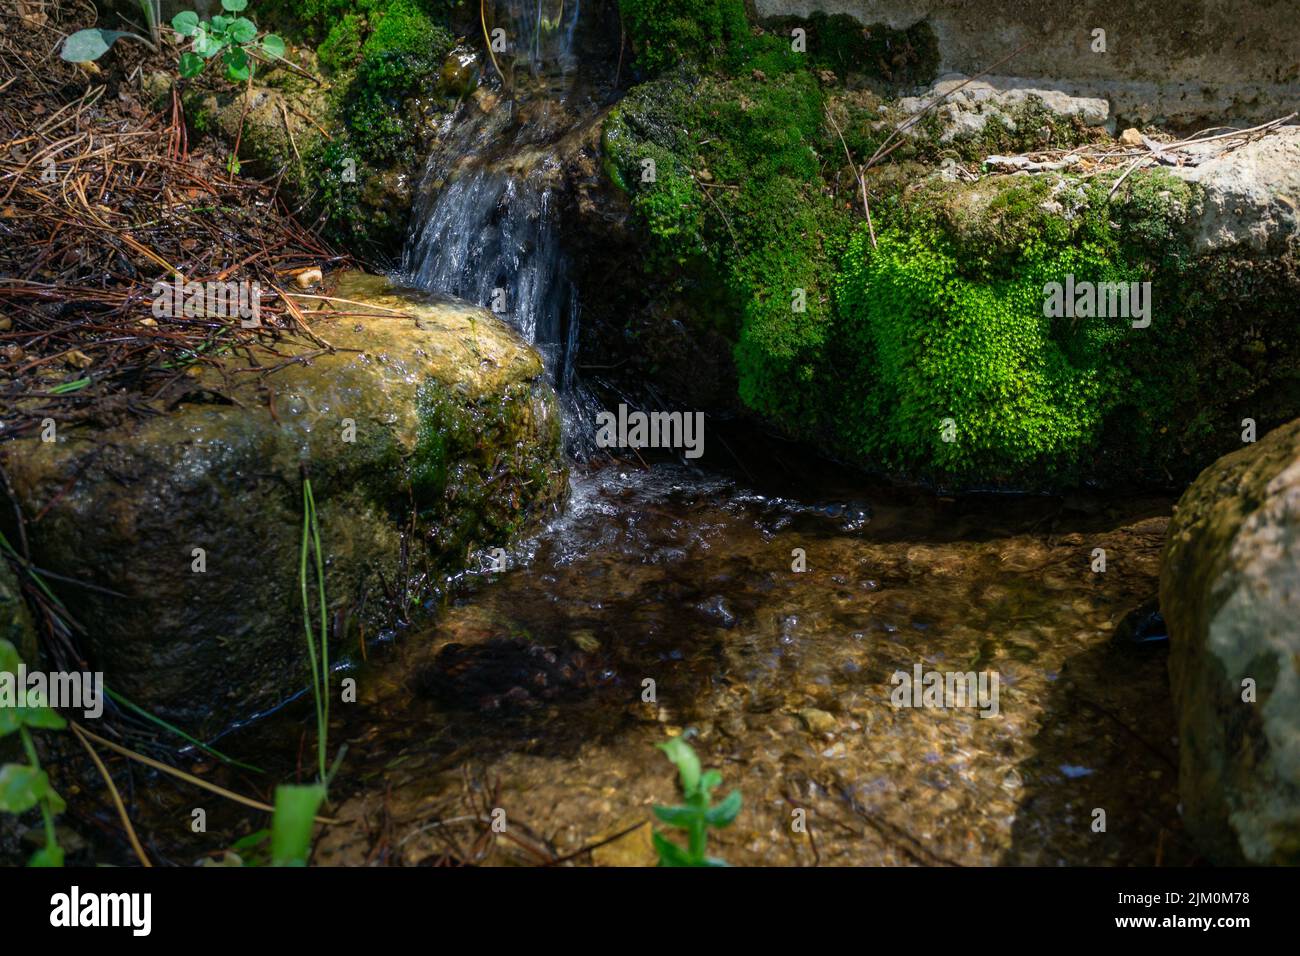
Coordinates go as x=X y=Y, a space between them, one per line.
x=91 y=44
x=24 y=786
x=696 y=815
x=234 y=38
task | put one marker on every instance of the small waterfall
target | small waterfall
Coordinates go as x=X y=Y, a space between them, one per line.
x=486 y=228
x=491 y=238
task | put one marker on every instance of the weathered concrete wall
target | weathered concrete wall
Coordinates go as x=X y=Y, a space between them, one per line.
x=1174 y=61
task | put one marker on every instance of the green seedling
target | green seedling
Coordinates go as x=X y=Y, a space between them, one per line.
x=234 y=38
x=696 y=816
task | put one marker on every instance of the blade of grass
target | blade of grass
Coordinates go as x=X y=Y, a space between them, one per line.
x=173 y=729
x=310 y=534
x=324 y=633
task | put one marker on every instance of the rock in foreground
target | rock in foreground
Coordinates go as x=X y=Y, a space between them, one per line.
x=425 y=415
x=1230 y=591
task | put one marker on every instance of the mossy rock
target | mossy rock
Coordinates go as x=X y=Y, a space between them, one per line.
x=944 y=321
x=271 y=126
x=425 y=411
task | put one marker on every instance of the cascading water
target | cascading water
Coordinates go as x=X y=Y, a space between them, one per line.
x=486 y=229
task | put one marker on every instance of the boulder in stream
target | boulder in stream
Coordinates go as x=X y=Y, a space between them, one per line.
x=428 y=419
x=1230 y=592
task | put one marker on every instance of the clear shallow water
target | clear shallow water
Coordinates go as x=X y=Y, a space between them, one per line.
x=525 y=692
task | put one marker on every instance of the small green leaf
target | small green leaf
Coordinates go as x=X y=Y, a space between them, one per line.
x=47 y=856
x=710 y=780
x=234 y=6
x=22 y=787
x=677 y=816
x=185 y=23
x=242 y=30
x=670 y=854
x=237 y=65
x=9 y=659
x=40 y=718
x=688 y=765
x=725 y=813
x=86 y=45
x=293 y=822
x=191 y=64
x=253 y=840
x=273 y=45
x=206 y=45
x=218 y=25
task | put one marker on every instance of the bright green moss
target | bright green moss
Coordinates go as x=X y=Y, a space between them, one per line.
x=342 y=47
x=963 y=375
x=314 y=20
x=784 y=277
x=943 y=323
x=667 y=33
x=737 y=217
x=398 y=62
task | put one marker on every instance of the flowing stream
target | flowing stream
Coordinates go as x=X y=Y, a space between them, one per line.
x=764 y=616
x=486 y=225
x=526 y=692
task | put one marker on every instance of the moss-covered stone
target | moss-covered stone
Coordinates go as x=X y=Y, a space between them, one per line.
x=871 y=348
x=737 y=216
x=345 y=132
x=426 y=412
x=944 y=322
x=273 y=128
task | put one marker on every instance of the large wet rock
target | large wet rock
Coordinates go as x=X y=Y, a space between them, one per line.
x=1230 y=591
x=429 y=415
